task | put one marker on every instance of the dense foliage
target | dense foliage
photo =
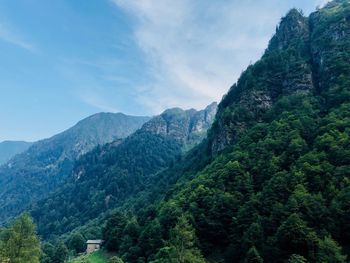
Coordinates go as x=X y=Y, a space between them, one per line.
x=33 y=174
x=103 y=179
x=279 y=192
x=19 y=242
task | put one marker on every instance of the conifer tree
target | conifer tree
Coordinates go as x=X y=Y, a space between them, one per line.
x=253 y=256
x=181 y=247
x=330 y=252
x=296 y=259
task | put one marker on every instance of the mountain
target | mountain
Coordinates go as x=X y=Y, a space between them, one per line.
x=36 y=172
x=270 y=183
x=187 y=127
x=288 y=60
x=103 y=178
x=9 y=149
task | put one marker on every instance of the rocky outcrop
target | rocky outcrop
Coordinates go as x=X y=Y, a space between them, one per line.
x=306 y=55
x=329 y=46
x=188 y=127
x=292 y=30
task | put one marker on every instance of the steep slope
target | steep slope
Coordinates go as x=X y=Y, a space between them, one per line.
x=9 y=149
x=104 y=178
x=306 y=55
x=187 y=127
x=277 y=188
x=284 y=69
x=37 y=171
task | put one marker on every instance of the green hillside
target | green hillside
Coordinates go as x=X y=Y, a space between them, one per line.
x=110 y=174
x=270 y=183
x=278 y=187
x=36 y=172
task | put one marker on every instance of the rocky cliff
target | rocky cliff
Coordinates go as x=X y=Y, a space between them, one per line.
x=185 y=126
x=306 y=55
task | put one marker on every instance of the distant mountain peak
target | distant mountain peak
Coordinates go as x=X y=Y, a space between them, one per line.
x=211 y=107
x=186 y=126
x=173 y=111
x=122 y=168
x=42 y=167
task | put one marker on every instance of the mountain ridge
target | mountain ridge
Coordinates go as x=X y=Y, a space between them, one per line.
x=132 y=163
x=44 y=165
x=186 y=126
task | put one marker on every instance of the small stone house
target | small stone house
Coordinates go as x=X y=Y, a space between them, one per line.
x=93 y=245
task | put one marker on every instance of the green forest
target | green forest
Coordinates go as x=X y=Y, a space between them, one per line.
x=269 y=183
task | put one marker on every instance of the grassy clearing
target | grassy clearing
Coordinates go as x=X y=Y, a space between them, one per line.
x=96 y=257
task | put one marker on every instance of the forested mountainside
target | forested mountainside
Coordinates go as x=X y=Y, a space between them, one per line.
x=36 y=172
x=276 y=186
x=106 y=176
x=9 y=149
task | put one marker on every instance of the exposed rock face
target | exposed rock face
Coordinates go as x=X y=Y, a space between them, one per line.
x=300 y=59
x=292 y=42
x=293 y=28
x=37 y=171
x=330 y=31
x=186 y=126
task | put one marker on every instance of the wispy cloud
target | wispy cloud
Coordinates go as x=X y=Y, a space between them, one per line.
x=92 y=81
x=321 y=3
x=95 y=100
x=197 y=49
x=7 y=34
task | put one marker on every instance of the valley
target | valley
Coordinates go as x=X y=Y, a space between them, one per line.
x=261 y=176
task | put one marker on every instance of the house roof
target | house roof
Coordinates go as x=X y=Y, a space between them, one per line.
x=97 y=241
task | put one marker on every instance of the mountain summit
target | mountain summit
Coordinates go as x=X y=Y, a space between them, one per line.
x=187 y=127
x=37 y=171
x=306 y=55
x=122 y=169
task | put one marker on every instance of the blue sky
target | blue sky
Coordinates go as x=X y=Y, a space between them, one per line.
x=62 y=60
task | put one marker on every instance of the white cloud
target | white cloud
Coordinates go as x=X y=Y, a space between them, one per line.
x=7 y=34
x=197 y=49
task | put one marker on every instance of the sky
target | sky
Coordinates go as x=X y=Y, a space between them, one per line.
x=63 y=60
